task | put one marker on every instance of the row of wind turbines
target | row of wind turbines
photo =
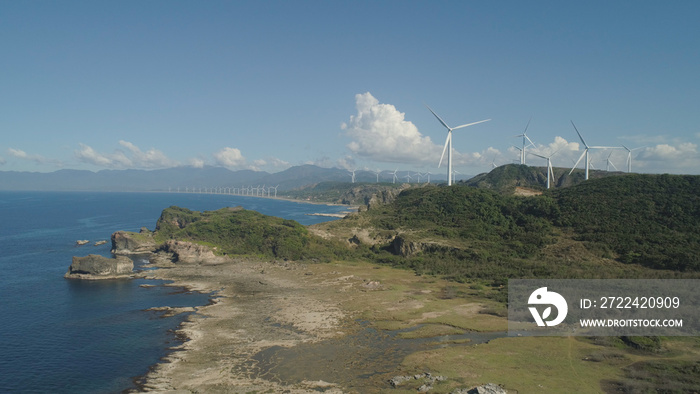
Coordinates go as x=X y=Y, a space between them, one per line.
x=527 y=142
x=256 y=191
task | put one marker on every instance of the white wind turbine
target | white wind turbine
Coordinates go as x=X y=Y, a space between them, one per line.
x=525 y=145
x=550 y=170
x=629 y=157
x=377 y=172
x=585 y=151
x=609 y=163
x=428 y=174
x=352 y=175
x=408 y=177
x=394 y=174
x=448 y=144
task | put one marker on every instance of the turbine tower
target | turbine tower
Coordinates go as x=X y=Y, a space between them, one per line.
x=585 y=151
x=394 y=174
x=448 y=144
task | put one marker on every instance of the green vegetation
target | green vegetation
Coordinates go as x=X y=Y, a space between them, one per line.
x=650 y=220
x=342 y=192
x=236 y=231
x=628 y=226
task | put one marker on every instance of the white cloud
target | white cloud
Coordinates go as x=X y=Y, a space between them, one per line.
x=379 y=132
x=230 y=158
x=20 y=154
x=196 y=163
x=2 y=161
x=152 y=158
x=133 y=158
x=666 y=152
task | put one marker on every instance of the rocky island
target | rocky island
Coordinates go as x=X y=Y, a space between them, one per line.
x=95 y=267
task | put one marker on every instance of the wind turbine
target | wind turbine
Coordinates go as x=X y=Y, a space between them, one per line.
x=609 y=163
x=448 y=144
x=352 y=175
x=629 y=157
x=377 y=172
x=408 y=177
x=585 y=151
x=525 y=138
x=550 y=170
x=394 y=174
x=428 y=174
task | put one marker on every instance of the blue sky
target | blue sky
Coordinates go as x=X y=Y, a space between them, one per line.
x=267 y=85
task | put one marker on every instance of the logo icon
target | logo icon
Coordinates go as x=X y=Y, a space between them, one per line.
x=543 y=297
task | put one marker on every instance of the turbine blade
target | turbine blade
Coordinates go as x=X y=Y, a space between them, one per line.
x=526 y=126
x=579 y=135
x=535 y=154
x=470 y=124
x=528 y=138
x=611 y=163
x=449 y=134
x=438 y=118
x=578 y=161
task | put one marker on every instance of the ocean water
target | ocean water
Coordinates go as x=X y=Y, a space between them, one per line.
x=69 y=336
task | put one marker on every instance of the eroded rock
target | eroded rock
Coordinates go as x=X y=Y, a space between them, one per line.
x=99 y=267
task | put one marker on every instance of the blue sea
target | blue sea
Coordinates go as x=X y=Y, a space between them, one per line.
x=71 y=336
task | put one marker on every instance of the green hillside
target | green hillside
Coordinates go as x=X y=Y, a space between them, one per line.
x=622 y=226
x=236 y=231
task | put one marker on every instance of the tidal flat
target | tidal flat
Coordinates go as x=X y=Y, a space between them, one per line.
x=350 y=327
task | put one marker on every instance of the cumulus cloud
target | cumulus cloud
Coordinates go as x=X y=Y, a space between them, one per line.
x=380 y=132
x=230 y=158
x=133 y=157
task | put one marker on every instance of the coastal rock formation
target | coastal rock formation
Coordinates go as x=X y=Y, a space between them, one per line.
x=190 y=253
x=384 y=197
x=99 y=267
x=125 y=242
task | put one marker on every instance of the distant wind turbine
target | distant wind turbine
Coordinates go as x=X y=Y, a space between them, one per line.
x=525 y=145
x=448 y=144
x=609 y=163
x=428 y=174
x=550 y=170
x=377 y=172
x=629 y=157
x=394 y=174
x=585 y=151
x=352 y=175
x=408 y=177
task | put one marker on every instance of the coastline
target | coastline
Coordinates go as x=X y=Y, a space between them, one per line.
x=255 y=306
x=292 y=327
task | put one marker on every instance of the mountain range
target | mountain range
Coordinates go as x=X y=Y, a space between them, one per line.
x=184 y=178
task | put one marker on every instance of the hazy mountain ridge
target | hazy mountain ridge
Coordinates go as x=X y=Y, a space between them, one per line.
x=184 y=178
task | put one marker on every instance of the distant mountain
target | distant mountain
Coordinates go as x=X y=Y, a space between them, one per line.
x=184 y=178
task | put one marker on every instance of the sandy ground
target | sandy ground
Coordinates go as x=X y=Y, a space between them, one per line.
x=256 y=306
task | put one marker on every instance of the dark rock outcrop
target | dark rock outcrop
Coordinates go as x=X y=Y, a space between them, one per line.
x=124 y=242
x=99 y=267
